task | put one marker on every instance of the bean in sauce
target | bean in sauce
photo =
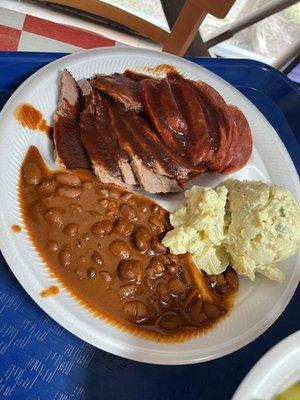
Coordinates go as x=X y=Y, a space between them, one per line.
x=104 y=245
x=128 y=212
x=135 y=310
x=123 y=227
x=52 y=245
x=130 y=270
x=67 y=179
x=120 y=249
x=141 y=239
x=102 y=228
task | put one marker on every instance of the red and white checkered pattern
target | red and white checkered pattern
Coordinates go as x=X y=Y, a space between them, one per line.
x=21 y=32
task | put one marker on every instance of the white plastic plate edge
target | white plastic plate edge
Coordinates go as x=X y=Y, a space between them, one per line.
x=71 y=316
x=278 y=369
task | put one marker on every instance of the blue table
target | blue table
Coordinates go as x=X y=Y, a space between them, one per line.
x=39 y=360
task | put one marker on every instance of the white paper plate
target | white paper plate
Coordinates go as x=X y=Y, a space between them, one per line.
x=274 y=372
x=257 y=305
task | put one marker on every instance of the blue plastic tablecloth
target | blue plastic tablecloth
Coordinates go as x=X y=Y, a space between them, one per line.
x=39 y=360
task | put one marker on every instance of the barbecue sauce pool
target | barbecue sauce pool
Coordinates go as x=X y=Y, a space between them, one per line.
x=50 y=291
x=16 y=228
x=29 y=117
x=103 y=245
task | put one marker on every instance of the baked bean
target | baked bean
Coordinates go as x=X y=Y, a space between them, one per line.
x=155 y=269
x=96 y=257
x=156 y=225
x=67 y=179
x=102 y=192
x=157 y=265
x=135 y=310
x=52 y=245
x=143 y=207
x=104 y=203
x=95 y=214
x=69 y=191
x=223 y=289
x=109 y=207
x=91 y=272
x=125 y=197
x=177 y=287
x=114 y=194
x=149 y=283
x=106 y=277
x=211 y=310
x=127 y=291
x=71 y=230
x=112 y=213
x=141 y=239
x=170 y=322
x=87 y=185
x=47 y=188
x=55 y=216
x=75 y=208
x=157 y=246
x=196 y=312
x=150 y=273
x=163 y=293
x=129 y=212
x=155 y=208
x=112 y=204
x=32 y=174
x=130 y=270
x=231 y=278
x=123 y=227
x=102 y=228
x=120 y=249
x=131 y=201
x=221 y=279
x=65 y=256
x=212 y=280
x=219 y=284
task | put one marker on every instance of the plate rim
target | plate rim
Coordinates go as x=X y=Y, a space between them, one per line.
x=10 y=258
x=273 y=355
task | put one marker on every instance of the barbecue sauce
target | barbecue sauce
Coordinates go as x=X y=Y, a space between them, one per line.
x=30 y=117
